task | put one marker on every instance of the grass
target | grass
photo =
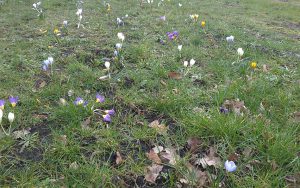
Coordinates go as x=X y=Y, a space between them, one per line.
x=62 y=153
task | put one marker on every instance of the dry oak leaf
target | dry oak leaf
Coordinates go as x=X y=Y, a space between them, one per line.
x=160 y=128
x=152 y=172
x=174 y=75
x=194 y=144
x=119 y=159
x=201 y=177
x=209 y=160
x=153 y=156
x=169 y=156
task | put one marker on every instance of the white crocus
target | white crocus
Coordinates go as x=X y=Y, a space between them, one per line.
x=230 y=166
x=230 y=39
x=65 y=23
x=1 y=115
x=185 y=63
x=107 y=64
x=34 y=5
x=240 y=52
x=11 y=117
x=179 y=47
x=50 y=59
x=118 y=46
x=121 y=36
x=38 y=3
x=179 y=4
x=79 y=12
x=192 y=62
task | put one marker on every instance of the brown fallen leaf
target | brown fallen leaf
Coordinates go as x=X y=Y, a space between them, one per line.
x=86 y=123
x=265 y=68
x=169 y=156
x=41 y=116
x=174 y=75
x=233 y=157
x=200 y=178
x=153 y=156
x=152 y=172
x=119 y=159
x=163 y=83
x=236 y=106
x=63 y=139
x=296 y=116
x=40 y=84
x=160 y=128
x=209 y=160
x=194 y=144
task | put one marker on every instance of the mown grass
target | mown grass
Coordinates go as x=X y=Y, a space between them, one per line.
x=141 y=92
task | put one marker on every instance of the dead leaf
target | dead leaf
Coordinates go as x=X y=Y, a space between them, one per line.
x=168 y=156
x=236 y=106
x=152 y=172
x=41 y=116
x=40 y=84
x=20 y=134
x=265 y=68
x=63 y=139
x=194 y=144
x=296 y=116
x=160 y=128
x=119 y=159
x=174 y=75
x=74 y=166
x=163 y=83
x=153 y=156
x=209 y=160
x=86 y=123
x=158 y=149
x=201 y=177
x=233 y=157
x=247 y=152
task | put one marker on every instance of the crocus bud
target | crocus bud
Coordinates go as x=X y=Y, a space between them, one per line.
x=240 y=51
x=1 y=115
x=230 y=166
x=192 y=62
x=185 y=63
x=107 y=64
x=11 y=117
x=179 y=47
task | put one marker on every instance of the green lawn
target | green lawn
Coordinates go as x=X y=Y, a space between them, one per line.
x=157 y=100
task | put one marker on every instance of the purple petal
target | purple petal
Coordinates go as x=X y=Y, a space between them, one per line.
x=110 y=112
x=106 y=118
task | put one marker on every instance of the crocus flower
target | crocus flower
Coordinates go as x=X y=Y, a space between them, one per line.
x=107 y=64
x=192 y=62
x=240 y=52
x=230 y=166
x=253 y=65
x=106 y=118
x=230 y=39
x=179 y=47
x=79 y=101
x=2 y=103
x=162 y=18
x=119 y=21
x=173 y=35
x=203 y=23
x=100 y=98
x=110 y=112
x=224 y=110
x=118 y=46
x=185 y=63
x=179 y=4
x=1 y=115
x=11 y=117
x=65 y=23
x=121 y=36
x=13 y=101
x=194 y=17
x=79 y=12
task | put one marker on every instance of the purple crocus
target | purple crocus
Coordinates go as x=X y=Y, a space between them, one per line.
x=173 y=35
x=106 y=118
x=110 y=112
x=100 y=98
x=224 y=110
x=79 y=101
x=13 y=100
x=163 y=18
x=2 y=103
